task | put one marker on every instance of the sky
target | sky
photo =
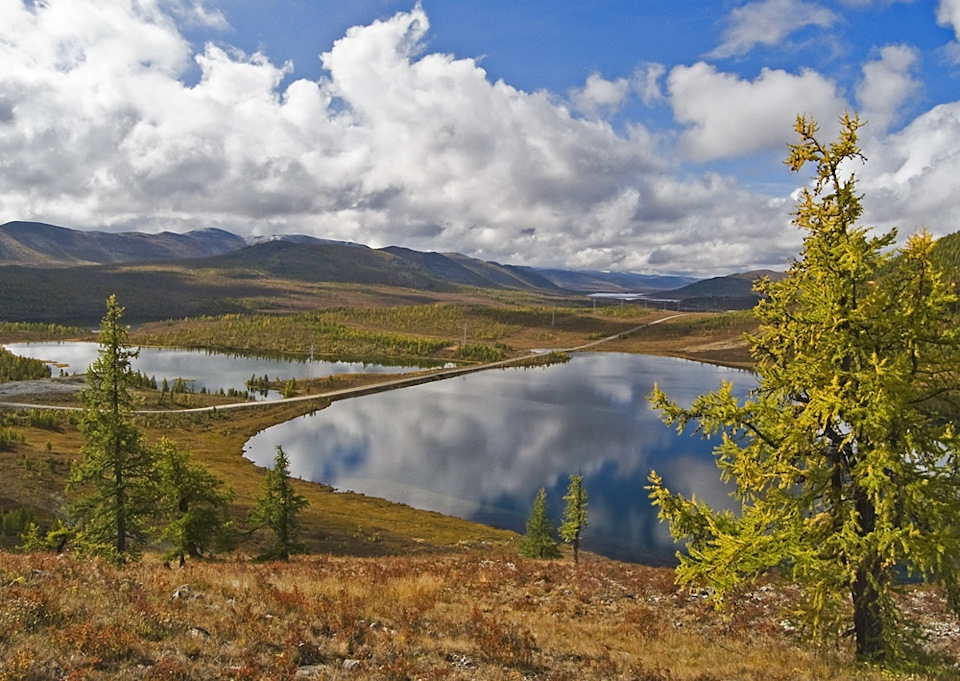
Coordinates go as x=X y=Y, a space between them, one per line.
x=623 y=135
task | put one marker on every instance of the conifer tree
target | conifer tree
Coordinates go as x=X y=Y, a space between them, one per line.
x=845 y=467
x=574 y=515
x=540 y=541
x=278 y=507
x=193 y=504
x=115 y=473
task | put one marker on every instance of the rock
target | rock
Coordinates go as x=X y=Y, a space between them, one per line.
x=350 y=665
x=199 y=632
x=183 y=592
x=313 y=671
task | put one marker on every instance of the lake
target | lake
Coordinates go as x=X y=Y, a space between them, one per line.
x=201 y=368
x=479 y=446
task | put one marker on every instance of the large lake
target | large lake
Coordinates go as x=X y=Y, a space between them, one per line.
x=202 y=369
x=480 y=446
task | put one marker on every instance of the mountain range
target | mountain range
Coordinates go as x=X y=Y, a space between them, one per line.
x=36 y=244
x=47 y=272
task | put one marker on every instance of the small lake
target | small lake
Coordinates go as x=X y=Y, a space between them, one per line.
x=201 y=368
x=479 y=446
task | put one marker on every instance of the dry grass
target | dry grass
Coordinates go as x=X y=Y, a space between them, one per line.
x=460 y=616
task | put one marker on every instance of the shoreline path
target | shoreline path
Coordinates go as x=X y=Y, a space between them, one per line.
x=344 y=393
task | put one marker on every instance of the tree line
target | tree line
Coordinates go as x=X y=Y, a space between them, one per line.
x=16 y=368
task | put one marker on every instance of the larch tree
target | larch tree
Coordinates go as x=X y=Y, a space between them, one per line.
x=115 y=472
x=278 y=508
x=844 y=457
x=574 y=515
x=193 y=505
x=540 y=540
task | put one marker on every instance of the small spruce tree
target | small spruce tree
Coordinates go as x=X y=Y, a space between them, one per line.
x=278 y=507
x=193 y=504
x=574 y=515
x=115 y=475
x=540 y=540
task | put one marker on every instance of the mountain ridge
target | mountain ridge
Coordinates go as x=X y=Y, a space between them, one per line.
x=38 y=244
x=41 y=245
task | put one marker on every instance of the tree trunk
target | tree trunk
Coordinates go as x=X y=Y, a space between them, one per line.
x=867 y=624
x=121 y=509
x=866 y=616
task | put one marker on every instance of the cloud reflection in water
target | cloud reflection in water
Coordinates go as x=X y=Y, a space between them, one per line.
x=479 y=446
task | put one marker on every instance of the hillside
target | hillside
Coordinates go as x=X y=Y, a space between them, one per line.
x=592 y=281
x=476 y=615
x=732 y=292
x=268 y=275
x=36 y=244
x=356 y=264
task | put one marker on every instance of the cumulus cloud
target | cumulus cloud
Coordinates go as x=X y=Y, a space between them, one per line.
x=600 y=96
x=910 y=178
x=888 y=82
x=198 y=14
x=727 y=116
x=394 y=145
x=769 y=22
x=948 y=15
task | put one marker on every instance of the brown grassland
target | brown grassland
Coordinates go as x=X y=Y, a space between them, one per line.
x=467 y=614
x=386 y=591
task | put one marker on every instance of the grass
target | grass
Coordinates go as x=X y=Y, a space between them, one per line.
x=464 y=615
x=437 y=331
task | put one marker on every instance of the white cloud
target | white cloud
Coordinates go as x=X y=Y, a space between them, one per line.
x=196 y=13
x=600 y=96
x=888 y=82
x=729 y=117
x=948 y=15
x=769 y=22
x=647 y=82
x=909 y=180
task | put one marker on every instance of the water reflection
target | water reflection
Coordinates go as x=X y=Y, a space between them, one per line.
x=202 y=368
x=479 y=446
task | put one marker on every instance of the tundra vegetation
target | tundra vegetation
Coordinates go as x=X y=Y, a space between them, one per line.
x=845 y=457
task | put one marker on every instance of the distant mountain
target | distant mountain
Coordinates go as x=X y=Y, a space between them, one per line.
x=392 y=266
x=731 y=286
x=251 y=277
x=591 y=281
x=732 y=292
x=36 y=244
x=239 y=263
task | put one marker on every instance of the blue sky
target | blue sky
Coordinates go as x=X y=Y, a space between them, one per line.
x=641 y=136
